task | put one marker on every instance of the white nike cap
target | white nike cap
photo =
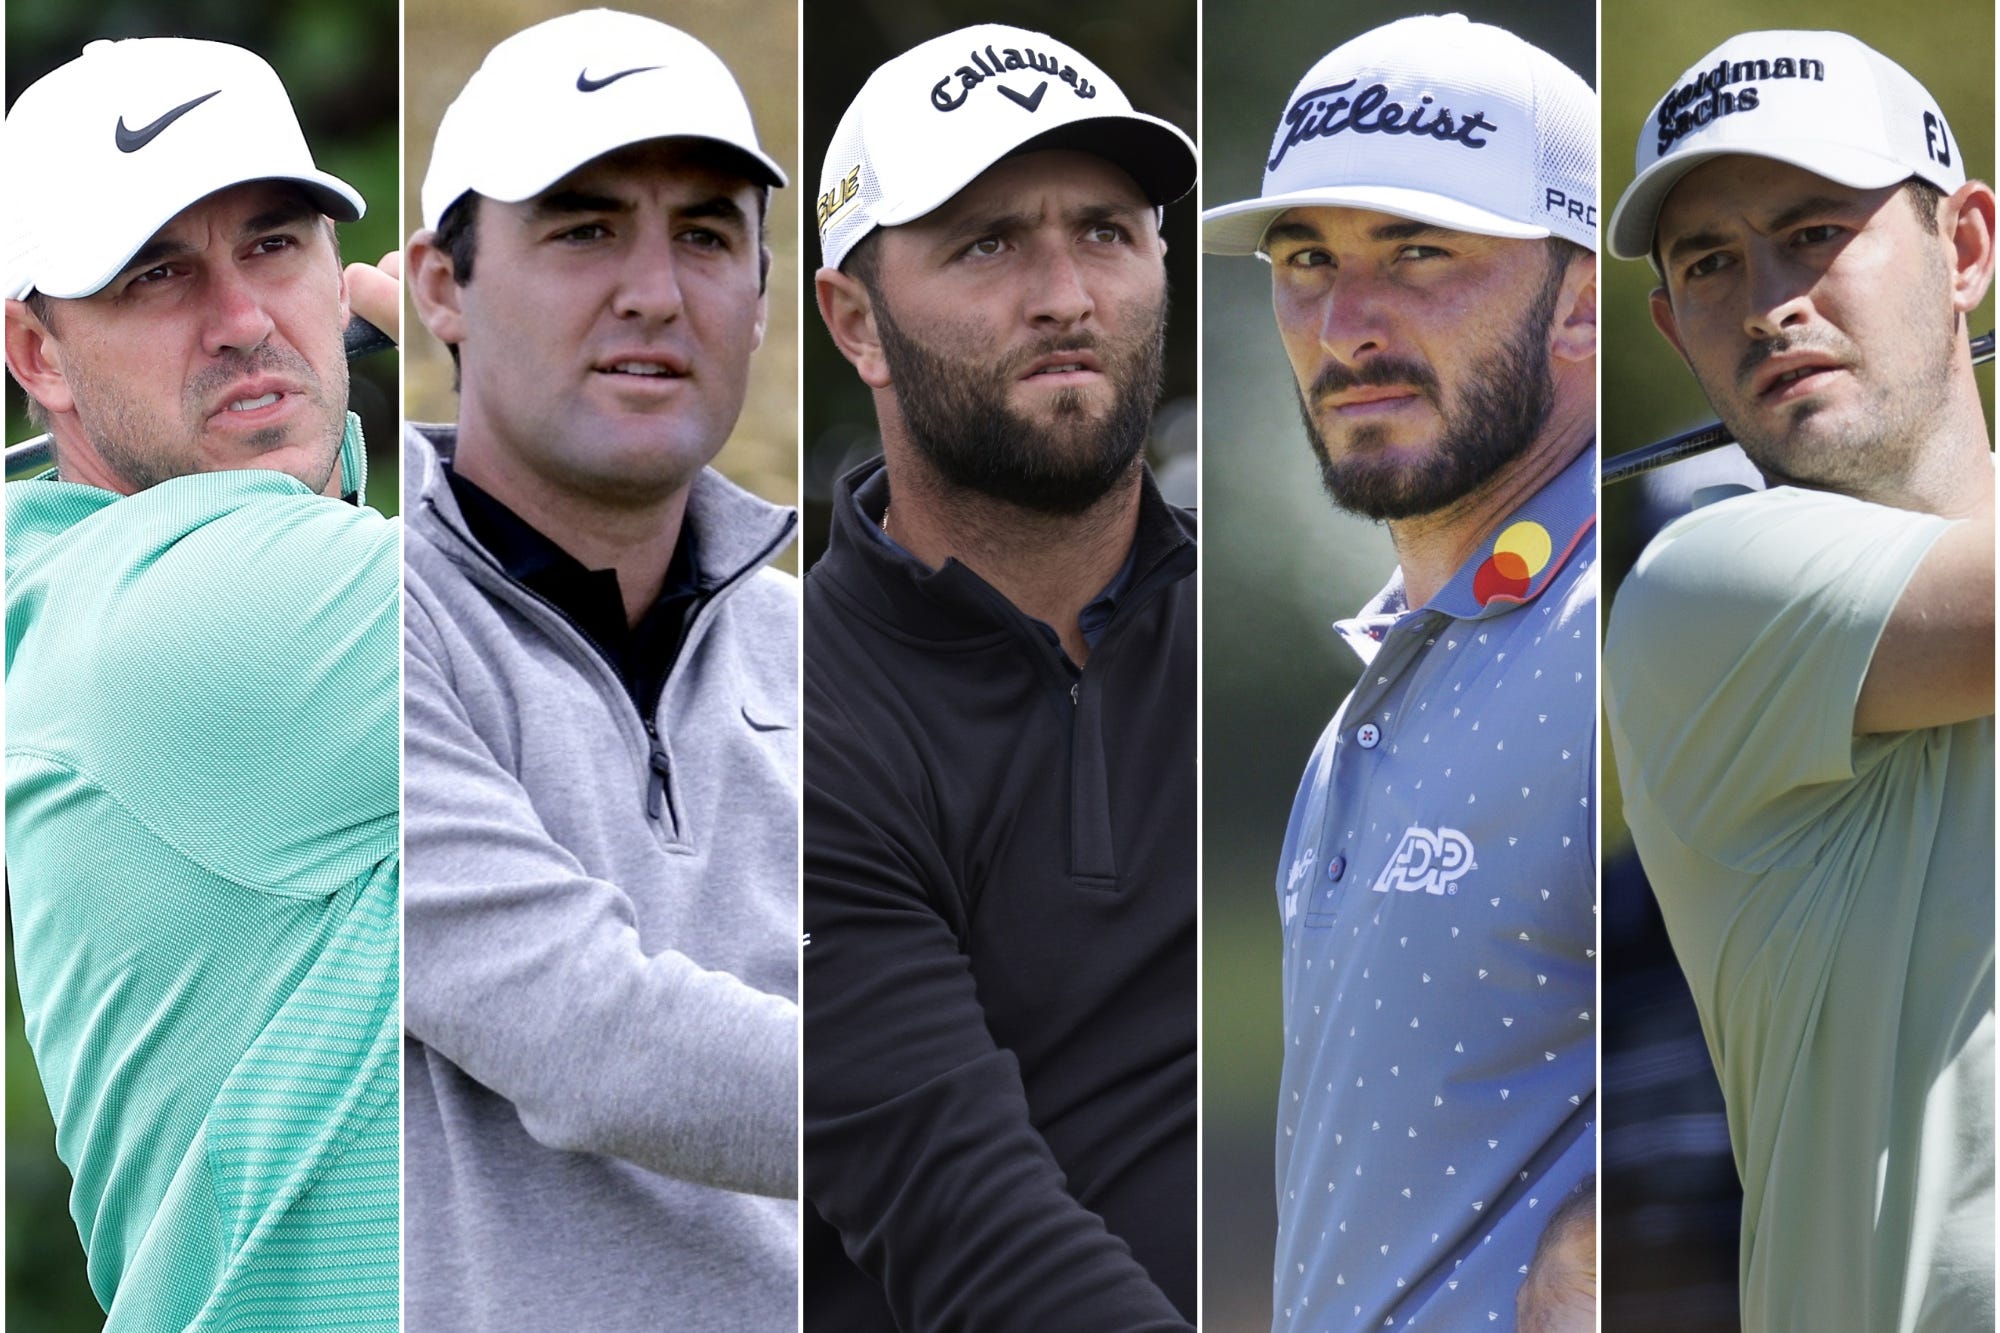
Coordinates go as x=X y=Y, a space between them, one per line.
x=931 y=121
x=554 y=96
x=127 y=135
x=1434 y=118
x=1821 y=101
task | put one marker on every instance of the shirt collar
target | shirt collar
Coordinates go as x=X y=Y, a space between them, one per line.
x=1512 y=567
x=871 y=502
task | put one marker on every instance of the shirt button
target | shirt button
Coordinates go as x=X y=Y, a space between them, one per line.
x=1336 y=867
x=1369 y=735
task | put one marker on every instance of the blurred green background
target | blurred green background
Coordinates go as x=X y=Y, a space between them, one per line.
x=1147 y=49
x=758 y=40
x=1279 y=564
x=338 y=59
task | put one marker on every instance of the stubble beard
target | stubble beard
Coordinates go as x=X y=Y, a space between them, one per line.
x=958 y=417
x=1878 y=441
x=128 y=440
x=1491 y=422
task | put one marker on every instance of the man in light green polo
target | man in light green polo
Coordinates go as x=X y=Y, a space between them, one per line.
x=202 y=696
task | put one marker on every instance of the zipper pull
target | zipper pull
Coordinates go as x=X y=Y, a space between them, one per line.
x=656 y=781
x=1074 y=686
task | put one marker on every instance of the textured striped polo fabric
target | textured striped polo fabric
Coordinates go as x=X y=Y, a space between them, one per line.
x=202 y=706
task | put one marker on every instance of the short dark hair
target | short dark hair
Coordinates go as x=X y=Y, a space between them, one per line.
x=458 y=236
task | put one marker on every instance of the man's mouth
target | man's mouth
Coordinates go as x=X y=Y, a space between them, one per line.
x=252 y=404
x=649 y=369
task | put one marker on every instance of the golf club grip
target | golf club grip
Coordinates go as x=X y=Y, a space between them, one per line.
x=359 y=337
x=1637 y=462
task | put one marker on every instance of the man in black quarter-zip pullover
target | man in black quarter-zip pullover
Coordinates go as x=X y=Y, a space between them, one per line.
x=600 y=730
x=1000 y=662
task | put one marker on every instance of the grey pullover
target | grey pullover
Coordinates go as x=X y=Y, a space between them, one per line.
x=600 y=1086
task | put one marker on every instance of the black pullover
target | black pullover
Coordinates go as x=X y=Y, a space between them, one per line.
x=1000 y=957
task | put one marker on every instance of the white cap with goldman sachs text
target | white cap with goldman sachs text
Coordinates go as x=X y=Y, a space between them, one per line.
x=1821 y=101
x=1434 y=118
x=558 y=94
x=932 y=120
x=126 y=136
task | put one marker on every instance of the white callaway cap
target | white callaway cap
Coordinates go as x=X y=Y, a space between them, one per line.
x=130 y=133
x=1818 y=100
x=552 y=97
x=1437 y=119
x=931 y=121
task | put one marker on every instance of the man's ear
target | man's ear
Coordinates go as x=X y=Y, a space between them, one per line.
x=849 y=312
x=1663 y=320
x=34 y=357
x=434 y=288
x=763 y=296
x=1574 y=337
x=1967 y=222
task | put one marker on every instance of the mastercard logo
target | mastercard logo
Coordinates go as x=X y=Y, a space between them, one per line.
x=1520 y=552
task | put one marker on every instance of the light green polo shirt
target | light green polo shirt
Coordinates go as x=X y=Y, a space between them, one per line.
x=202 y=706
x=1830 y=897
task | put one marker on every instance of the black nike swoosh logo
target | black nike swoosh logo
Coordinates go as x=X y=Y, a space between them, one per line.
x=586 y=84
x=1029 y=103
x=131 y=141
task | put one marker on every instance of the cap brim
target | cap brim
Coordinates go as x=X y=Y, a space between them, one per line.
x=329 y=194
x=522 y=178
x=1238 y=228
x=1638 y=212
x=1156 y=154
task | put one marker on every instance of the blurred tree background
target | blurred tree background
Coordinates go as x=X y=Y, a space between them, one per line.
x=1670 y=1198
x=339 y=61
x=1279 y=564
x=758 y=40
x=1148 y=50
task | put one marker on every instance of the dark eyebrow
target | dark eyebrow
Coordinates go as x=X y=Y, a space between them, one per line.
x=1290 y=231
x=286 y=213
x=721 y=207
x=1817 y=206
x=563 y=203
x=1698 y=241
x=1408 y=231
x=975 y=225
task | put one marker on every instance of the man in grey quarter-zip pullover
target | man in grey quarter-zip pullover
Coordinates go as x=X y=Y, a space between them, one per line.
x=601 y=744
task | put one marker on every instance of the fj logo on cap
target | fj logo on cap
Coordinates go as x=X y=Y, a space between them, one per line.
x=991 y=64
x=131 y=141
x=1937 y=141
x=1322 y=113
x=1715 y=93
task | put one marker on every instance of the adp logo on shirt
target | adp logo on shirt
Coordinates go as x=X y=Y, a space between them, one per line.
x=1426 y=860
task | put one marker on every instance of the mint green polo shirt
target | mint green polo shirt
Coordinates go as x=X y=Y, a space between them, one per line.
x=1830 y=897
x=202 y=707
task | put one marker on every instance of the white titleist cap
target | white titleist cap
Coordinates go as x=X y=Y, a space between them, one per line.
x=1435 y=118
x=929 y=122
x=1818 y=100
x=133 y=132
x=552 y=97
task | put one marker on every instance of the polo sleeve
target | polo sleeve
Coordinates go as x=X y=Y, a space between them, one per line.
x=251 y=659
x=919 y=1146
x=1735 y=658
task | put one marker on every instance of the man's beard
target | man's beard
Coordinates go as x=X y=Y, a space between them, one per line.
x=1491 y=422
x=132 y=445
x=958 y=416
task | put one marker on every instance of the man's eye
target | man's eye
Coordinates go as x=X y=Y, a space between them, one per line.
x=588 y=231
x=1815 y=235
x=1308 y=258
x=985 y=247
x=1707 y=264
x=705 y=238
x=272 y=244
x=1420 y=252
x=1106 y=233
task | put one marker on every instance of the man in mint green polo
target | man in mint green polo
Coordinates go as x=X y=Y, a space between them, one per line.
x=202 y=705
x=1799 y=680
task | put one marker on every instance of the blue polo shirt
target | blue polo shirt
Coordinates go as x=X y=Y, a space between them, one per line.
x=1437 y=889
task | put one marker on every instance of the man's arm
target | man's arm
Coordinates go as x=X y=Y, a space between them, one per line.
x=528 y=974
x=919 y=1145
x=1933 y=665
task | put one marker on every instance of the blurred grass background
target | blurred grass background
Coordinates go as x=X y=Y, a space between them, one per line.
x=758 y=40
x=1148 y=50
x=338 y=60
x=1279 y=564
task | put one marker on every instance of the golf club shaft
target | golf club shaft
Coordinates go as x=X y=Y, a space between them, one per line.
x=1637 y=462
